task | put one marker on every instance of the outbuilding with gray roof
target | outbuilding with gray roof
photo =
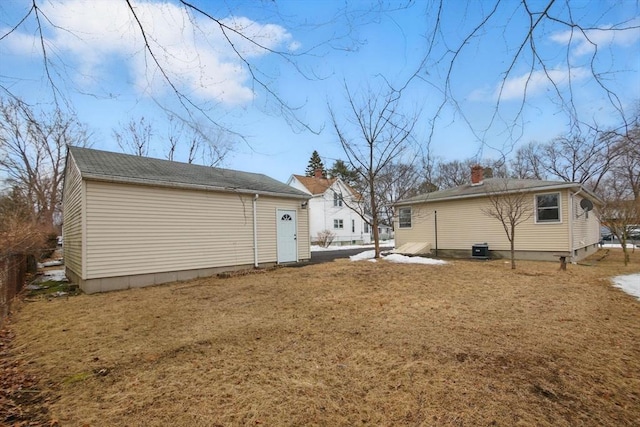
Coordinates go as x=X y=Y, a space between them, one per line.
x=133 y=221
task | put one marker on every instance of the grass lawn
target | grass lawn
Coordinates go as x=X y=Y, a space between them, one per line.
x=343 y=344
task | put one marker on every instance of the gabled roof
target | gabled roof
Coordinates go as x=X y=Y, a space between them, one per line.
x=497 y=185
x=314 y=185
x=124 y=168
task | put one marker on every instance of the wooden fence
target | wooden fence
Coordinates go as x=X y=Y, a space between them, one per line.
x=13 y=272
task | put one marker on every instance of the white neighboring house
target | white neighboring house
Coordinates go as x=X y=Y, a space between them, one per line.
x=329 y=209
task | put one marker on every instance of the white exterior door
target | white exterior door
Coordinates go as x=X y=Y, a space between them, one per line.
x=287 y=245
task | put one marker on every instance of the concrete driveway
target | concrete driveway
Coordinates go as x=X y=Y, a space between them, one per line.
x=326 y=256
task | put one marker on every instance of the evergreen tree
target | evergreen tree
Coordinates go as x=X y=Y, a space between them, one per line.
x=315 y=163
x=348 y=175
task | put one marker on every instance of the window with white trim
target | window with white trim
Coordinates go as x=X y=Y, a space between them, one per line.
x=548 y=207
x=337 y=199
x=404 y=217
x=338 y=224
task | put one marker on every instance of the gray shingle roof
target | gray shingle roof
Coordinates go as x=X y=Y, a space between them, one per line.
x=125 y=168
x=495 y=185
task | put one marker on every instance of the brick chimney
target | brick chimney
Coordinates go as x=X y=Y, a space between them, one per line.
x=477 y=174
x=318 y=173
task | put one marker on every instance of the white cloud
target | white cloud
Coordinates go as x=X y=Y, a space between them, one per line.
x=585 y=43
x=540 y=81
x=193 y=51
x=534 y=84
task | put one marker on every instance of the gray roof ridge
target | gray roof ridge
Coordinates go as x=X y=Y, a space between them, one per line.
x=127 y=168
x=479 y=190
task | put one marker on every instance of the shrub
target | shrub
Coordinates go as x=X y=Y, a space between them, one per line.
x=325 y=237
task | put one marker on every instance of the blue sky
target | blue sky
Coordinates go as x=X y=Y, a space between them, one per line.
x=99 y=65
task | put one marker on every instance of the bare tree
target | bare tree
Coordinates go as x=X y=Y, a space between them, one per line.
x=32 y=152
x=201 y=27
x=620 y=214
x=458 y=172
x=511 y=206
x=395 y=182
x=454 y=173
x=207 y=148
x=374 y=133
x=214 y=146
x=580 y=158
x=620 y=188
x=550 y=46
x=18 y=232
x=135 y=136
x=527 y=162
x=624 y=172
x=526 y=72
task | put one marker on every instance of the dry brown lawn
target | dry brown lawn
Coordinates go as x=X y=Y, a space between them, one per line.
x=343 y=344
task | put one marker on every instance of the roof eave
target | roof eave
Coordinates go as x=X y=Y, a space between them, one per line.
x=180 y=185
x=561 y=186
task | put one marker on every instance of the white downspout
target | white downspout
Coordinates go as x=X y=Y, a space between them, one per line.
x=573 y=195
x=570 y=217
x=255 y=231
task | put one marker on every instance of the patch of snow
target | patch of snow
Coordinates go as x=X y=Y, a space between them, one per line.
x=50 y=263
x=54 y=275
x=403 y=259
x=386 y=244
x=629 y=283
x=363 y=256
x=397 y=258
x=618 y=245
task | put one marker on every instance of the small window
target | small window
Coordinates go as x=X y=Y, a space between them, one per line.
x=337 y=199
x=338 y=224
x=548 y=207
x=404 y=217
x=353 y=225
x=286 y=217
x=366 y=227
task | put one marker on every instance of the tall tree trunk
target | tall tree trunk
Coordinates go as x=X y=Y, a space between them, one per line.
x=374 y=218
x=513 y=247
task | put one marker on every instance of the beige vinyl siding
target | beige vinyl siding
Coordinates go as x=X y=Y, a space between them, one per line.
x=304 y=237
x=133 y=229
x=267 y=227
x=586 y=226
x=462 y=223
x=72 y=219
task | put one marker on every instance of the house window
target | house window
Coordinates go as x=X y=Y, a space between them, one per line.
x=353 y=225
x=548 y=207
x=338 y=224
x=404 y=217
x=337 y=200
x=366 y=227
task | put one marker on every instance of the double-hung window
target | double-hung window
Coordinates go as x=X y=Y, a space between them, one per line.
x=338 y=224
x=548 y=207
x=404 y=217
x=337 y=199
